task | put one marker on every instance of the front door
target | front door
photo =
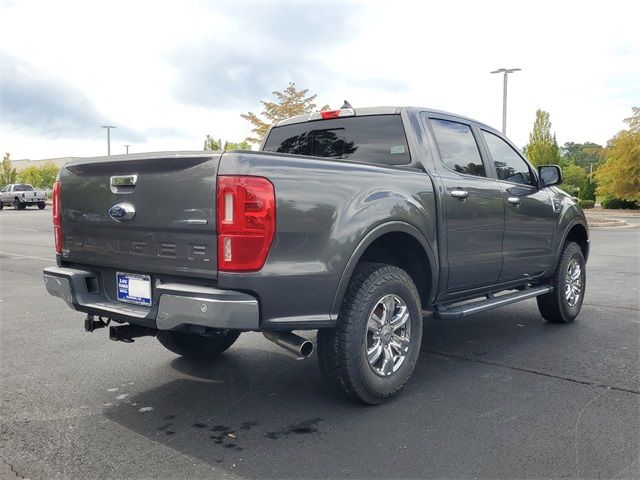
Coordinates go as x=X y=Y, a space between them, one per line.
x=530 y=219
x=474 y=208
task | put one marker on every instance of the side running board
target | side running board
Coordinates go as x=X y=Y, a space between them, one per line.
x=458 y=311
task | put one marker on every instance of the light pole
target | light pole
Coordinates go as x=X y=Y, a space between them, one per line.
x=506 y=72
x=127 y=147
x=108 y=127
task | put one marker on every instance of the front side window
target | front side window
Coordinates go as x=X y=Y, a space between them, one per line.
x=509 y=165
x=458 y=148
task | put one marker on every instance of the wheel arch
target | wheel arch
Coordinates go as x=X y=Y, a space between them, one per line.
x=578 y=232
x=376 y=246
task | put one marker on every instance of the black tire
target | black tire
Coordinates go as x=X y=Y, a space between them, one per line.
x=18 y=205
x=1 y=205
x=41 y=206
x=191 y=345
x=342 y=350
x=554 y=306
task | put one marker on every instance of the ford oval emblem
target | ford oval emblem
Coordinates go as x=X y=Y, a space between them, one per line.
x=122 y=212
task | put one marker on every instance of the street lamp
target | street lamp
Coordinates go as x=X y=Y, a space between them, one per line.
x=108 y=127
x=127 y=147
x=506 y=72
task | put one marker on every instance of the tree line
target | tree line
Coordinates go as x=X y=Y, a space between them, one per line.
x=40 y=177
x=611 y=171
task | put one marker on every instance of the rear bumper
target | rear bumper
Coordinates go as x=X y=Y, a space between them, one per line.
x=175 y=305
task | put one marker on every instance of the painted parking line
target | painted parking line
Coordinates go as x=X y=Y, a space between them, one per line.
x=15 y=256
x=23 y=228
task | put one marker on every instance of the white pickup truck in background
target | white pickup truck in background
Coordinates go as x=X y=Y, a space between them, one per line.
x=21 y=195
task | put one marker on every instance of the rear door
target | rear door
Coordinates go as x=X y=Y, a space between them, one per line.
x=473 y=204
x=530 y=219
x=147 y=214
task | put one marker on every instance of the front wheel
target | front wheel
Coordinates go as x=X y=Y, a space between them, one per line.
x=197 y=346
x=563 y=303
x=370 y=354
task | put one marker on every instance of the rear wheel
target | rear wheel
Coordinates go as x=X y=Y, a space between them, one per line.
x=1 y=205
x=197 y=346
x=563 y=303
x=371 y=353
x=41 y=206
x=18 y=205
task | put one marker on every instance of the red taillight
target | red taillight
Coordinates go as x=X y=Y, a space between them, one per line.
x=57 y=217
x=246 y=222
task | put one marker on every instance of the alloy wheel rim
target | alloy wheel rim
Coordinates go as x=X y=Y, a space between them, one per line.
x=388 y=335
x=573 y=283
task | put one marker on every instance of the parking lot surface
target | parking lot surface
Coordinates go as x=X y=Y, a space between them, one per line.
x=498 y=395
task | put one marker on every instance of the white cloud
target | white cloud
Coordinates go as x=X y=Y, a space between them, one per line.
x=580 y=60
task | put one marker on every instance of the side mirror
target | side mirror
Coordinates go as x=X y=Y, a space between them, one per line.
x=550 y=175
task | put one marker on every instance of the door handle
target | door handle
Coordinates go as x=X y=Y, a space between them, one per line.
x=123 y=183
x=514 y=201
x=459 y=193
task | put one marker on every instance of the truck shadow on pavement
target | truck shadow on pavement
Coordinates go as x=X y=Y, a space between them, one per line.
x=260 y=414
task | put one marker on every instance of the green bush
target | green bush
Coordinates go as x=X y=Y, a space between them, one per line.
x=618 y=203
x=588 y=192
x=586 y=203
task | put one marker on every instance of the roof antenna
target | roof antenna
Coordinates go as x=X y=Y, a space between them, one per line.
x=346 y=104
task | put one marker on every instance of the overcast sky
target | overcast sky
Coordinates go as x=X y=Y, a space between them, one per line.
x=168 y=73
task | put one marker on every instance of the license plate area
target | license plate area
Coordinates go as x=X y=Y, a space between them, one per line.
x=134 y=288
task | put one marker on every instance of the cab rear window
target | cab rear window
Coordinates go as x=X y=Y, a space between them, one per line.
x=369 y=139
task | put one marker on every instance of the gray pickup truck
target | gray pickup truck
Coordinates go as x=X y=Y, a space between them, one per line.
x=351 y=222
x=22 y=195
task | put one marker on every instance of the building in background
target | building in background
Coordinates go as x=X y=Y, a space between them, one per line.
x=20 y=165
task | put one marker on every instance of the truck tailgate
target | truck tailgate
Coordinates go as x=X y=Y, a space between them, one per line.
x=172 y=198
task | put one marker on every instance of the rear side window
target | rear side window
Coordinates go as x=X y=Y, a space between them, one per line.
x=509 y=165
x=458 y=147
x=371 y=139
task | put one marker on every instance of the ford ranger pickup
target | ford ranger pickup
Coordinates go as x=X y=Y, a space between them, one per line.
x=351 y=222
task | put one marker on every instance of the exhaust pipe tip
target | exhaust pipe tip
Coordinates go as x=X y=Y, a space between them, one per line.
x=306 y=349
x=299 y=347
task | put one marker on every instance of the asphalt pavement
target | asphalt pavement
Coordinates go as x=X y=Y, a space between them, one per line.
x=498 y=395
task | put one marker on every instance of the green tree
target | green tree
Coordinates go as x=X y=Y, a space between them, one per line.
x=211 y=144
x=542 y=148
x=244 y=145
x=7 y=171
x=582 y=154
x=217 y=145
x=619 y=177
x=588 y=192
x=289 y=102
x=575 y=179
x=634 y=120
x=39 y=177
